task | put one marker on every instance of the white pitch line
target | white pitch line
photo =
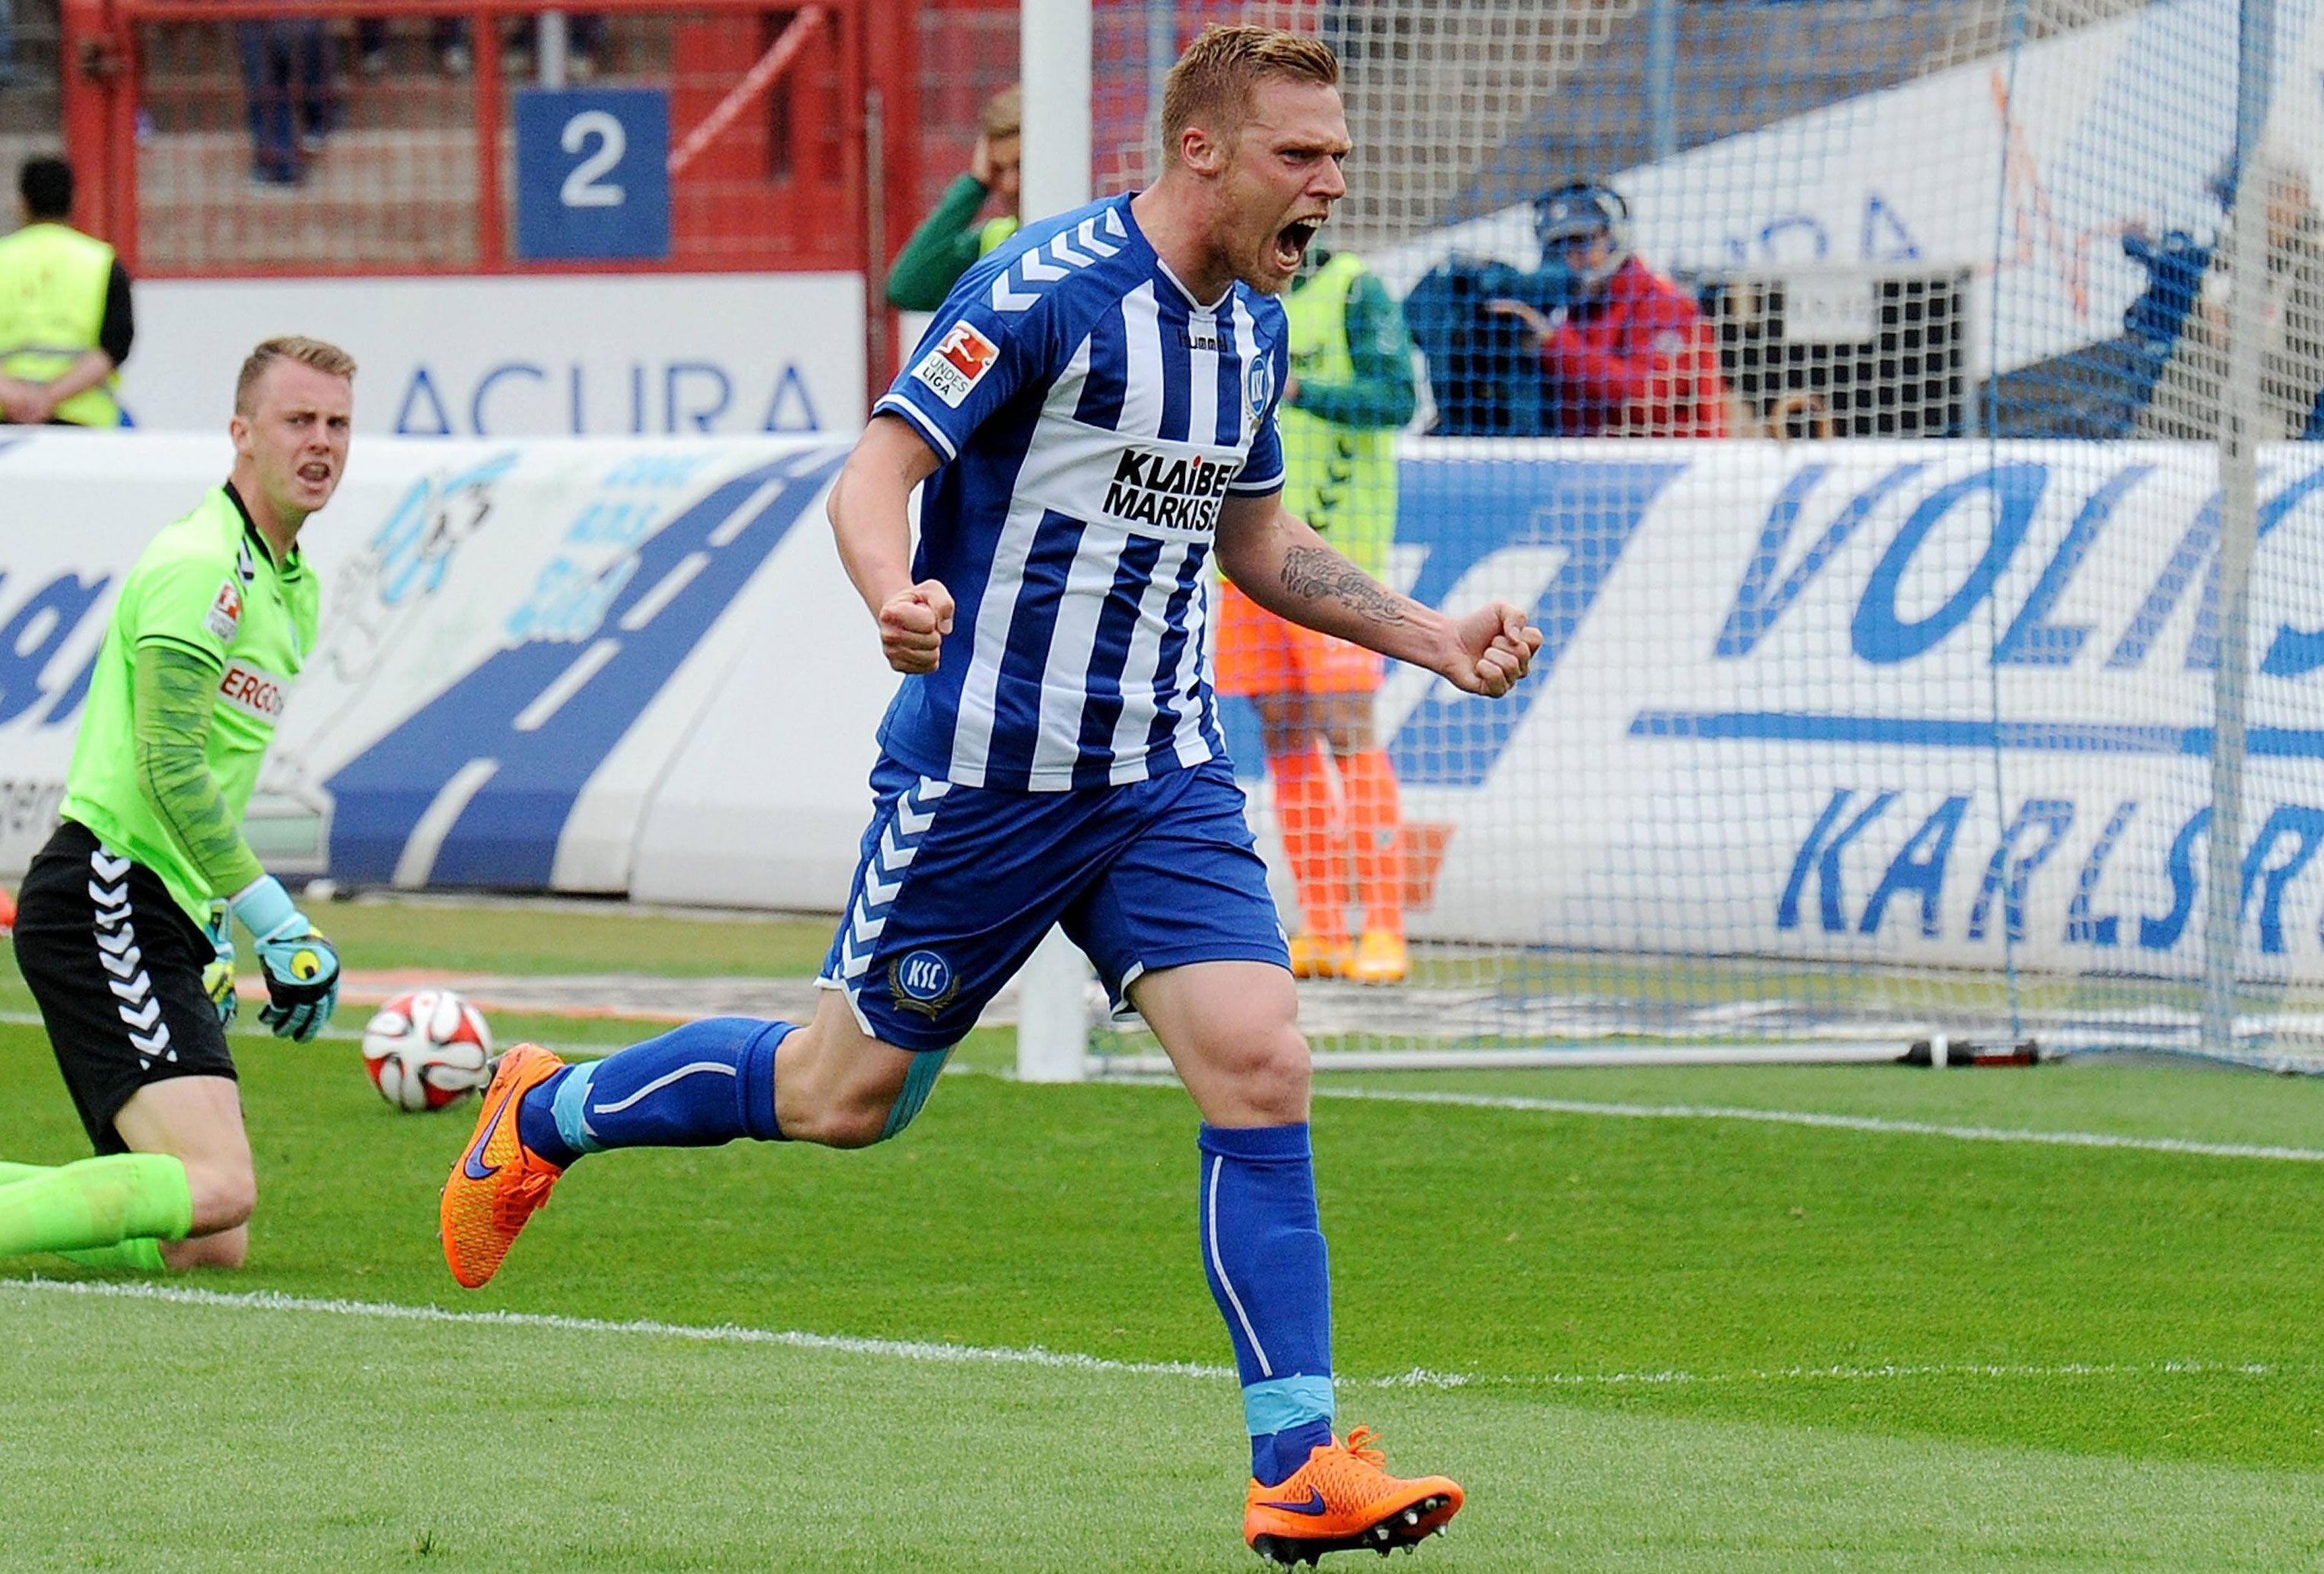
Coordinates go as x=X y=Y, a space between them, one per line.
x=1674 y=1378
x=1066 y=1361
x=1865 y=1123
x=721 y=1333
x=340 y=1034
x=1871 y=1124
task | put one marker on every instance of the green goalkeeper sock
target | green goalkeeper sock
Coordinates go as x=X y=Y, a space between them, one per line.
x=141 y=1252
x=96 y=1203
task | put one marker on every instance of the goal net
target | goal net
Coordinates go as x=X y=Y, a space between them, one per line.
x=1882 y=410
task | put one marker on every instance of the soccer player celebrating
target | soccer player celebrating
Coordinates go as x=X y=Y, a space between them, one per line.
x=120 y=931
x=1092 y=408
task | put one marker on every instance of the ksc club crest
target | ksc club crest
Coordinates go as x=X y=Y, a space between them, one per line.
x=1259 y=385
x=922 y=982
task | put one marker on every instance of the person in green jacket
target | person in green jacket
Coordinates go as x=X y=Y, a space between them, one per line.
x=952 y=238
x=124 y=925
x=65 y=324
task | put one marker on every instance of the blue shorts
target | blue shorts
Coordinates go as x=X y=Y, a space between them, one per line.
x=958 y=884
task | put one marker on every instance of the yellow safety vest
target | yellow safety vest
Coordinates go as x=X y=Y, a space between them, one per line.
x=1340 y=478
x=53 y=282
x=994 y=230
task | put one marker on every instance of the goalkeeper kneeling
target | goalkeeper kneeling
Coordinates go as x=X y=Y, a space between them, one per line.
x=124 y=927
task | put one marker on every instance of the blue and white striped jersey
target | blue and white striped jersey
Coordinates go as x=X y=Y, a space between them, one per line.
x=1092 y=416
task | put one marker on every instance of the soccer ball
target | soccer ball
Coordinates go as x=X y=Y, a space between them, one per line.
x=427 y=1049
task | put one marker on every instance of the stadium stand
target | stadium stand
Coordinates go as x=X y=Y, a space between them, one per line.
x=396 y=181
x=1746 y=66
x=28 y=80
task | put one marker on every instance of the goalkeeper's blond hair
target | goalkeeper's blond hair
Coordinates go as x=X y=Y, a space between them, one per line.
x=1212 y=83
x=326 y=358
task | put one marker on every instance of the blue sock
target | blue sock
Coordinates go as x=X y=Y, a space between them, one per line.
x=697 y=1086
x=1263 y=1253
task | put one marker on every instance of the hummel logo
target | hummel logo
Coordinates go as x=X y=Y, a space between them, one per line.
x=1313 y=1506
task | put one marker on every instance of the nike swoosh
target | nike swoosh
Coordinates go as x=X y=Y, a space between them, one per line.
x=1314 y=1505
x=473 y=1166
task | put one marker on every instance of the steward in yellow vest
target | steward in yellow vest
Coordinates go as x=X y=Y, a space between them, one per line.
x=1350 y=391
x=65 y=323
x=1335 y=799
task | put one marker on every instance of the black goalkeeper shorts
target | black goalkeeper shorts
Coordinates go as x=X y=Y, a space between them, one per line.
x=115 y=966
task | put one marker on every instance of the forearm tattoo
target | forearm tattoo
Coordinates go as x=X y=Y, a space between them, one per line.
x=1319 y=574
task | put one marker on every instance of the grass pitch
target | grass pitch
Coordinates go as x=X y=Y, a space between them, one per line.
x=1644 y=1341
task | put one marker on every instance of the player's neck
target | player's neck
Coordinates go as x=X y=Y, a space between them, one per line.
x=1173 y=215
x=279 y=531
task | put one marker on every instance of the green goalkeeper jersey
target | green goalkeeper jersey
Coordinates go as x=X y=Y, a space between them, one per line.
x=198 y=659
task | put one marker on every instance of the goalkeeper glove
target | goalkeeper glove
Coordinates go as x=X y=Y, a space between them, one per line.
x=302 y=969
x=217 y=978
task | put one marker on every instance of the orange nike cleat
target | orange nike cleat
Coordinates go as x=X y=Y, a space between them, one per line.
x=1314 y=957
x=1341 y=1501
x=1382 y=958
x=497 y=1182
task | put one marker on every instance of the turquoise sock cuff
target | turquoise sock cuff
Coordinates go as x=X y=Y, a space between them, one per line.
x=1281 y=1404
x=919 y=1082
x=569 y=1107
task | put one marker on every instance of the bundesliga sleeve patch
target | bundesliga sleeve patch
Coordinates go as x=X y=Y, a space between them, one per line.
x=224 y=615
x=961 y=358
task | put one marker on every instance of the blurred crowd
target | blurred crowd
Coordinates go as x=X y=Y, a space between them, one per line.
x=291 y=75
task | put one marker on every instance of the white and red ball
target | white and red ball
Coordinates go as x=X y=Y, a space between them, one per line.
x=427 y=1049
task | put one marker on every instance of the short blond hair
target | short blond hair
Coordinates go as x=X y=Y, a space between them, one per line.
x=1210 y=84
x=1004 y=115
x=328 y=359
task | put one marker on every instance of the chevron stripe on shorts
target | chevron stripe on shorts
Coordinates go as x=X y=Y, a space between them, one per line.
x=883 y=877
x=116 y=946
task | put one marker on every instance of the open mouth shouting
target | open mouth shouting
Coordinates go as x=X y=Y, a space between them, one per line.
x=1291 y=242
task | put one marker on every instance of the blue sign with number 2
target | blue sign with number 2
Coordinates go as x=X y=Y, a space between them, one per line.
x=592 y=173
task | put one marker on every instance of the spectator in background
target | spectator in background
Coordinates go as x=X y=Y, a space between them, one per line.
x=950 y=239
x=584 y=47
x=1349 y=393
x=448 y=40
x=65 y=324
x=2098 y=391
x=1484 y=369
x=286 y=84
x=1627 y=354
x=2190 y=390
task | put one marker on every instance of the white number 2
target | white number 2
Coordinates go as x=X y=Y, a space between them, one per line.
x=581 y=189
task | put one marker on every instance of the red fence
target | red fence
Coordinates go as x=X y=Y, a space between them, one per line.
x=405 y=155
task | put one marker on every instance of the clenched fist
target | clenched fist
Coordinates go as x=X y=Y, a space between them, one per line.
x=913 y=624
x=1493 y=648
